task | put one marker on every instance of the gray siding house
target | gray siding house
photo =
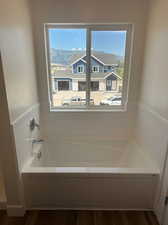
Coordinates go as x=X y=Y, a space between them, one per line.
x=73 y=77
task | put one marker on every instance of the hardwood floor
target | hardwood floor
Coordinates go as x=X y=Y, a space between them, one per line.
x=81 y=218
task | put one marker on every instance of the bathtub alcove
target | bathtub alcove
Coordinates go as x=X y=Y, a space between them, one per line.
x=119 y=176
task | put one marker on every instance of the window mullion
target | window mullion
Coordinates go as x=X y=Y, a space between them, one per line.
x=88 y=65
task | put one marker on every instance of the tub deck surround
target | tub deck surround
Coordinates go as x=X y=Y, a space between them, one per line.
x=23 y=135
x=91 y=170
x=128 y=181
x=116 y=157
x=22 y=147
x=96 y=191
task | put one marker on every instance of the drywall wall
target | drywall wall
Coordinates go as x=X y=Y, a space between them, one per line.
x=115 y=11
x=23 y=140
x=8 y=153
x=154 y=91
x=17 y=90
x=17 y=56
x=152 y=114
x=75 y=126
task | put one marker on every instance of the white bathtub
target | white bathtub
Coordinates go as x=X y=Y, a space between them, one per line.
x=118 y=175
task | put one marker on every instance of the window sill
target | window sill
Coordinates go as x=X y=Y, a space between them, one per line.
x=116 y=109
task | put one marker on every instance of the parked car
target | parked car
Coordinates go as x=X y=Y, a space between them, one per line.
x=75 y=101
x=115 y=100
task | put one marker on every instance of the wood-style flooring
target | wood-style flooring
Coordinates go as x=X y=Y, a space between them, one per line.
x=80 y=218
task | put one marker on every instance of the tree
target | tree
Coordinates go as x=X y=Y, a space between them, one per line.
x=120 y=69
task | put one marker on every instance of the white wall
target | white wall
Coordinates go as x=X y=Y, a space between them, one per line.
x=152 y=117
x=154 y=83
x=17 y=51
x=17 y=90
x=153 y=111
x=23 y=135
x=7 y=153
x=73 y=126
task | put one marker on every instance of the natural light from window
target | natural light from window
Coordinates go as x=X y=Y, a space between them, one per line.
x=86 y=66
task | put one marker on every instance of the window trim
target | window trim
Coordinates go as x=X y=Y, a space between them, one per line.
x=81 y=66
x=98 y=69
x=127 y=64
x=64 y=81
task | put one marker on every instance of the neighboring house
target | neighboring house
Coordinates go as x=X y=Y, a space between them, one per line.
x=103 y=77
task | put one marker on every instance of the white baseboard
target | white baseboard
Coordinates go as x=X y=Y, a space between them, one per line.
x=15 y=210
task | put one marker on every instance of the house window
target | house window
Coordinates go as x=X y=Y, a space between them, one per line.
x=95 y=69
x=105 y=47
x=80 y=69
x=94 y=85
x=105 y=69
x=82 y=86
x=63 y=85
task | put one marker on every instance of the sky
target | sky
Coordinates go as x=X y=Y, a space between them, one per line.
x=73 y=39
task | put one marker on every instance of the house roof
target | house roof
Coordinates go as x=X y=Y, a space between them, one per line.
x=69 y=75
x=57 y=64
x=104 y=58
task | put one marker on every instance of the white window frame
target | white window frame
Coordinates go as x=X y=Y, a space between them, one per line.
x=98 y=69
x=80 y=66
x=127 y=64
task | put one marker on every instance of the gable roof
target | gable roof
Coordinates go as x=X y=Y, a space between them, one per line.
x=76 y=57
x=114 y=74
x=104 y=58
x=107 y=59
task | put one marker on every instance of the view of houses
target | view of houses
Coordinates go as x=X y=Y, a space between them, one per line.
x=69 y=78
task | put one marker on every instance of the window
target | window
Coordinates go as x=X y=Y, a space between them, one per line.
x=63 y=85
x=80 y=69
x=82 y=85
x=94 y=85
x=94 y=62
x=95 y=69
x=105 y=69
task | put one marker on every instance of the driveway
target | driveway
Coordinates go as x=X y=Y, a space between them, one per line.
x=96 y=95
